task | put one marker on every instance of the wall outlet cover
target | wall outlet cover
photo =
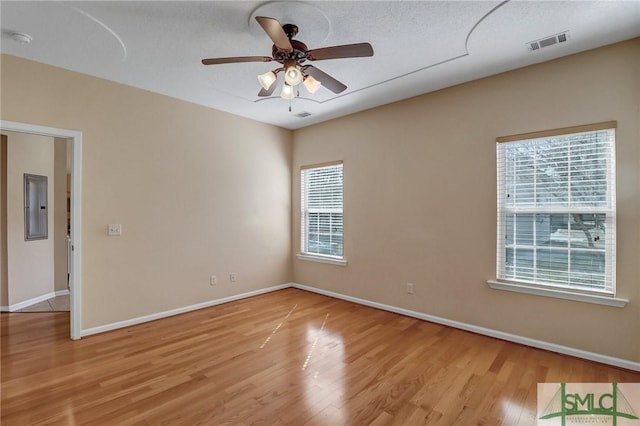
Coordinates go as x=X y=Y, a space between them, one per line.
x=114 y=229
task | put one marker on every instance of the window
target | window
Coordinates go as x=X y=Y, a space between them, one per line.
x=556 y=209
x=321 y=211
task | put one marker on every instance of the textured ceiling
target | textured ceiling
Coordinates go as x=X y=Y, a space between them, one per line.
x=420 y=46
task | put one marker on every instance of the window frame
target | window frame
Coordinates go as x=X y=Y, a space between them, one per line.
x=304 y=253
x=600 y=296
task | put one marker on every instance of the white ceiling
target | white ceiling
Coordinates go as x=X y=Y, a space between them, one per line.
x=420 y=46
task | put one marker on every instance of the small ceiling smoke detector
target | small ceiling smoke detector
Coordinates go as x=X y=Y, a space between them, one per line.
x=21 y=37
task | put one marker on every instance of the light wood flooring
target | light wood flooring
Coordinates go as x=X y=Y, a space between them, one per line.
x=284 y=358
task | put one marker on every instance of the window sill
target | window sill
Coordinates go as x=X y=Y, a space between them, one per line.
x=322 y=259
x=559 y=294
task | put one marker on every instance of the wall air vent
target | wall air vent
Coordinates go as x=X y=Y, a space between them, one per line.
x=548 y=41
x=303 y=114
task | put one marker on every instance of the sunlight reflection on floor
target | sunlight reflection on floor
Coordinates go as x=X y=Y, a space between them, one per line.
x=315 y=342
x=326 y=348
x=511 y=408
x=275 y=330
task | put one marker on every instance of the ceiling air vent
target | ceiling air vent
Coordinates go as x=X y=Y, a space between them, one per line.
x=548 y=41
x=303 y=114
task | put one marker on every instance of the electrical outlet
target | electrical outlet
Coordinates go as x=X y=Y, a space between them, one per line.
x=232 y=277
x=213 y=280
x=114 y=229
x=409 y=288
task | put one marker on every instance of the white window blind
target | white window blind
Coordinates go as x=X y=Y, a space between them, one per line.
x=557 y=211
x=321 y=203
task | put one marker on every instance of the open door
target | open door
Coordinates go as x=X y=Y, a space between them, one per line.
x=75 y=240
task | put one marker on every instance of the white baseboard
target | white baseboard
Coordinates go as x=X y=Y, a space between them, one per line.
x=171 y=312
x=27 y=303
x=566 y=350
x=578 y=353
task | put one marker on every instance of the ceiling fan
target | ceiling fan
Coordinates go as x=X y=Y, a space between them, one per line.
x=293 y=54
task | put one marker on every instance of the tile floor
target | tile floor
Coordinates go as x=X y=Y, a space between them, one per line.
x=58 y=303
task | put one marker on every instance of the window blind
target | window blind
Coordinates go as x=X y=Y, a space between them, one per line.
x=556 y=210
x=321 y=216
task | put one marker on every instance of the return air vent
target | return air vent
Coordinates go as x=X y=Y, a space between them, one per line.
x=548 y=41
x=303 y=114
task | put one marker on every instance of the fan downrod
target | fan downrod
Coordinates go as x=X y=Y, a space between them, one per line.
x=290 y=30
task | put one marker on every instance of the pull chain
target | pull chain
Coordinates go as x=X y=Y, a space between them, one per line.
x=291 y=99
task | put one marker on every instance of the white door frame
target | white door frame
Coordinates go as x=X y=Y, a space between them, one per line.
x=75 y=275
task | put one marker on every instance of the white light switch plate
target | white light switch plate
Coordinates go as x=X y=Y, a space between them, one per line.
x=115 y=229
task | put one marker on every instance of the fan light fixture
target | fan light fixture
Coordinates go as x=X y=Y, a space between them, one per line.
x=311 y=84
x=292 y=55
x=293 y=76
x=267 y=79
x=287 y=91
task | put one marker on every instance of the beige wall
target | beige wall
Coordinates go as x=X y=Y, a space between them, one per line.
x=60 y=213
x=197 y=191
x=4 y=297
x=30 y=270
x=200 y=192
x=420 y=197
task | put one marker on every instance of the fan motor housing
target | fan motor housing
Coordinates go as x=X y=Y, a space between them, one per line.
x=299 y=52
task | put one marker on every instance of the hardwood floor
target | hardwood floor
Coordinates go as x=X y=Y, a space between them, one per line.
x=288 y=357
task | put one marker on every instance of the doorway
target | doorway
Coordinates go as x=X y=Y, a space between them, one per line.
x=75 y=240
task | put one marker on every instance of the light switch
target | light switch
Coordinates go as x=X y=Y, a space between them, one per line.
x=115 y=229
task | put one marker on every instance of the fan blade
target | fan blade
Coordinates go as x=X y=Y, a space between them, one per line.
x=327 y=81
x=275 y=32
x=263 y=93
x=357 y=50
x=216 y=61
